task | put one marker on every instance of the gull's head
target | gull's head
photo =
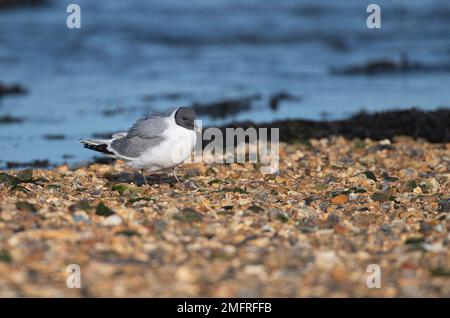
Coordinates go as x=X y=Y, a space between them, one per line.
x=185 y=117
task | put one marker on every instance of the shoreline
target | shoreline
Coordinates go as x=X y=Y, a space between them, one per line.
x=432 y=126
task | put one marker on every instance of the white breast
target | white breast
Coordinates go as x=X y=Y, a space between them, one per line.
x=176 y=148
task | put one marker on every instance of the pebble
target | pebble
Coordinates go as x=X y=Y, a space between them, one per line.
x=444 y=205
x=112 y=220
x=186 y=274
x=408 y=173
x=430 y=186
x=339 y=199
x=380 y=197
x=81 y=216
x=326 y=260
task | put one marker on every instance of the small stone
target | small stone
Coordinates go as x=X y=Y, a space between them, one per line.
x=320 y=186
x=408 y=173
x=256 y=209
x=389 y=178
x=415 y=240
x=408 y=186
x=229 y=250
x=385 y=228
x=5 y=256
x=191 y=184
x=440 y=272
x=256 y=270
x=80 y=205
x=188 y=215
x=267 y=228
x=26 y=207
x=444 y=205
x=370 y=175
x=425 y=227
x=332 y=219
x=103 y=210
x=326 y=260
x=185 y=274
x=382 y=145
x=128 y=232
x=380 y=196
x=160 y=225
x=430 y=186
x=339 y=199
x=121 y=188
x=81 y=216
x=112 y=220
x=435 y=247
x=279 y=215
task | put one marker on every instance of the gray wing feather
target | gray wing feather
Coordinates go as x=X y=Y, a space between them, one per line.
x=143 y=135
x=149 y=127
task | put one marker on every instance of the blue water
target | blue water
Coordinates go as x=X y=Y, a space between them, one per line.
x=129 y=54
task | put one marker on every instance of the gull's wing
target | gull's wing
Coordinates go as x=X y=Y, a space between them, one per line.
x=143 y=135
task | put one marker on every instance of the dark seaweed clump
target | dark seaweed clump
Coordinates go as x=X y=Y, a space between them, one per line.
x=34 y=164
x=13 y=89
x=433 y=126
x=387 y=66
x=5 y=4
x=226 y=107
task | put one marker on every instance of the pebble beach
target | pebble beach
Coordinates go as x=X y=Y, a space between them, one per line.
x=336 y=206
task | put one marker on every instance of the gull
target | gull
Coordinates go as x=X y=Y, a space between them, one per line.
x=153 y=143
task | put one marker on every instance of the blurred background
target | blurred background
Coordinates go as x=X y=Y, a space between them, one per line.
x=232 y=60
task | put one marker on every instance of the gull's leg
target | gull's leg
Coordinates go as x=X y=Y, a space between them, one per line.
x=143 y=176
x=175 y=175
x=178 y=180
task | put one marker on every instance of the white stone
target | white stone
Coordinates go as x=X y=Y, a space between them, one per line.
x=112 y=220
